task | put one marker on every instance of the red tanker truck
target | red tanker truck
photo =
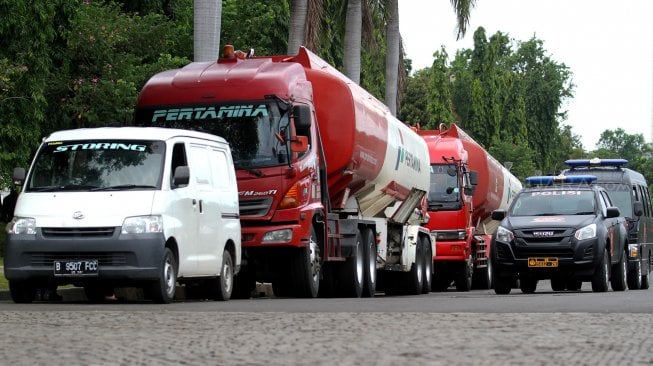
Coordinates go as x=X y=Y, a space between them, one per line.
x=467 y=184
x=331 y=186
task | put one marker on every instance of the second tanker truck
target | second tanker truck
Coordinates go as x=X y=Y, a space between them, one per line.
x=467 y=184
x=331 y=186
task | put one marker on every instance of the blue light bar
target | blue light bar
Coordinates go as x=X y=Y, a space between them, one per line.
x=596 y=162
x=549 y=180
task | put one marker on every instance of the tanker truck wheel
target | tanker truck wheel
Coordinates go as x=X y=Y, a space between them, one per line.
x=369 y=267
x=427 y=278
x=463 y=279
x=305 y=268
x=353 y=271
x=415 y=278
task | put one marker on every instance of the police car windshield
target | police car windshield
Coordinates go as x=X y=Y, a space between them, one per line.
x=91 y=165
x=549 y=202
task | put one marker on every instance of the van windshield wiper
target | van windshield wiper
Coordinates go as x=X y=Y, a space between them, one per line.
x=123 y=187
x=67 y=187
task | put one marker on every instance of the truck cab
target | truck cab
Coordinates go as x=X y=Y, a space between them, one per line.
x=566 y=229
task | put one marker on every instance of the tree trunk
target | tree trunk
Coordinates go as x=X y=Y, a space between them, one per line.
x=206 y=37
x=353 y=26
x=297 y=26
x=392 y=56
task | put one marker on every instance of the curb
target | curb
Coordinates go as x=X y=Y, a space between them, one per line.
x=76 y=294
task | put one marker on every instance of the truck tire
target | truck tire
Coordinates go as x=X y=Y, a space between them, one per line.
x=369 y=268
x=600 y=278
x=352 y=273
x=645 y=282
x=222 y=286
x=619 y=274
x=162 y=291
x=635 y=277
x=427 y=278
x=305 y=268
x=482 y=278
x=22 y=292
x=463 y=279
x=415 y=277
x=527 y=285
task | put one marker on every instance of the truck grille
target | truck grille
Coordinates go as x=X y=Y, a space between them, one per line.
x=254 y=207
x=77 y=232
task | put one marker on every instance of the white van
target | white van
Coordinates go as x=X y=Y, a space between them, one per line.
x=126 y=207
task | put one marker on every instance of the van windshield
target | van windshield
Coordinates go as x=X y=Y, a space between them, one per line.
x=621 y=196
x=89 y=165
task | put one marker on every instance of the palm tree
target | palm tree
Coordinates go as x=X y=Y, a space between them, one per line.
x=297 y=26
x=353 y=31
x=462 y=9
x=206 y=37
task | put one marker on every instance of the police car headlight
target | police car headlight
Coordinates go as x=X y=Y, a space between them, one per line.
x=504 y=235
x=588 y=232
x=22 y=225
x=142 y=225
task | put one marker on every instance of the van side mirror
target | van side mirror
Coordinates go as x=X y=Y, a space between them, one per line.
x=302 y=115
x=299 y=144
x=19 y=176
x=181 y=177
x=638 y=208
x=498 y=215
x=613 y=212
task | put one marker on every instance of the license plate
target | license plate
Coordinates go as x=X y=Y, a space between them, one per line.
x=542 y=262
x=87 y=267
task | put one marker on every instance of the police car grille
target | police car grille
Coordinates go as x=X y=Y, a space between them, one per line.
x=83 y=232
x=548 y=251
x=254 y=207
x=106 y=259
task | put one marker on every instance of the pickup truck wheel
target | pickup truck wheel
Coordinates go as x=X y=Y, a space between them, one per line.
x=306 y=268
x=635 y=277
x=352 y=273
x=427 y=278
x=369 y=267
x=558 y=284
x=601 y=274
x=222 y=287
x=527 y=285
x=619 y=274
x=464 y=278
x=162 y=291
x=22 y=292
x=502 y=285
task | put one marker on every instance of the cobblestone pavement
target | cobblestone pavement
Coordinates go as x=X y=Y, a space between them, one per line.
x=163 y=337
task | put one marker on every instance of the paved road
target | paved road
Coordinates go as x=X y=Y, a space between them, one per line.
x=545 y=328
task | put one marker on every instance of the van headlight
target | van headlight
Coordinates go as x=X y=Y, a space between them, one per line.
x=142 y=225
x=22 y=225
x=504 y=235
x=588 y=232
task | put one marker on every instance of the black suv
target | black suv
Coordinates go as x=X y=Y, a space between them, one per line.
x=565 y=229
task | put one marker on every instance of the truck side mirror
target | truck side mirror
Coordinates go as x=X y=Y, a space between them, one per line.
x=612 y=212
x=469 y=190
x=299 y=144
x=473 y=177
x=638 y=208
x=181 y=176
x=302 y=115
x=19 y=176
x=498 y=215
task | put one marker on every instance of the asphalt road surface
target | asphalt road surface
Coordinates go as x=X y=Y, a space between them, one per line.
x=445 y=328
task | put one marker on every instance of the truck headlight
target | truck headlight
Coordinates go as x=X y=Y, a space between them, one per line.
x=277 y=236
x=22 y=225
x=588 y=232
x=504 y=235
x=142 y=225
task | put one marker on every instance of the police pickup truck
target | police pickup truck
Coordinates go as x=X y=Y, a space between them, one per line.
x=562 y=228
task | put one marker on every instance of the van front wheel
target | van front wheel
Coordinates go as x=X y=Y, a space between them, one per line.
x=162 y=291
